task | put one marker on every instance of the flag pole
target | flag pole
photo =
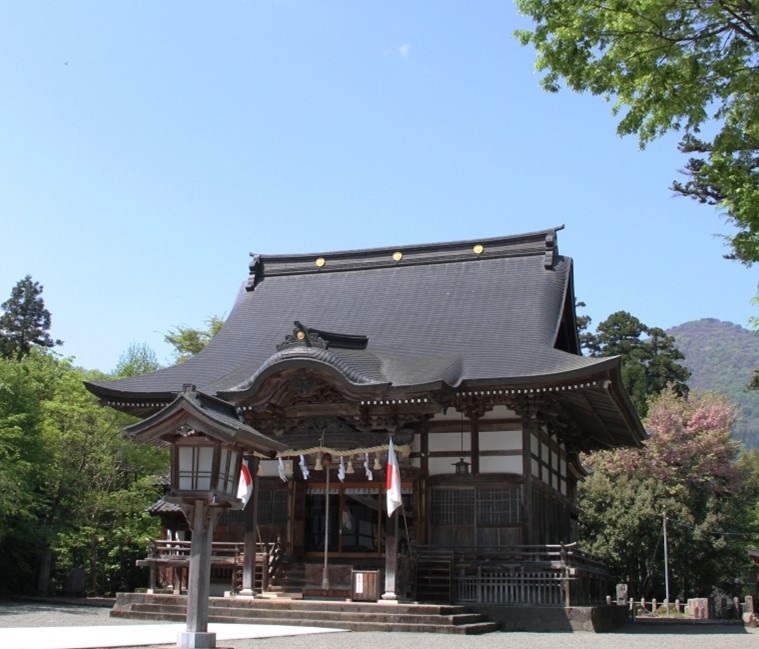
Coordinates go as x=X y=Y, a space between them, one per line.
x=393 y=495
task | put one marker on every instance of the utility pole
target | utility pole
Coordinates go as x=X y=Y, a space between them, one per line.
x=666 y=564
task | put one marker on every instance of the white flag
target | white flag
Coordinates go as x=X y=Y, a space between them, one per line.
x=304 y=468
x=393 y=481
x=245 y=488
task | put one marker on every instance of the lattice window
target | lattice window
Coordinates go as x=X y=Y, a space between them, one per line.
x=499 y=505
x=453 y=507
x=272 y=507
x=232 y=517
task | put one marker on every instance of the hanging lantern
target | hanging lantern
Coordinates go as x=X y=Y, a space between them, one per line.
x=462 y=467
x=201 y=465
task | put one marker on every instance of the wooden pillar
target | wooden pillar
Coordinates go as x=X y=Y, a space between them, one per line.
x=251 y=524
x=474 y=442
x=391 y=556
x=152 y=570
x=199 y=579
x=424 y=447
x=420 y=490
x=527 y=511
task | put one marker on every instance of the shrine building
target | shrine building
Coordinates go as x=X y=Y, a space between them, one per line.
x=466 y=355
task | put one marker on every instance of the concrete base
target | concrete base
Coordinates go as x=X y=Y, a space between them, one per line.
x=593 y=619
x=196 y=640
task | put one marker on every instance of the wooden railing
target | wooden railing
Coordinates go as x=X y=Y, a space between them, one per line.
x=174 y=556
x=546 y=575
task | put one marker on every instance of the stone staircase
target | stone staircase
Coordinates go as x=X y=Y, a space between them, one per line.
x=351 y=616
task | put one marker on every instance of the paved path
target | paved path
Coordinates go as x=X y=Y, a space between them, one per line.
x=19 y=622
x=63 y=626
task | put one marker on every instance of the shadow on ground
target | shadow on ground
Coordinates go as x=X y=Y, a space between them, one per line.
x=684 y=627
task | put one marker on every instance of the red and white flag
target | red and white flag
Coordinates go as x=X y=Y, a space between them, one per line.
x=393 y=481
x=245 y=489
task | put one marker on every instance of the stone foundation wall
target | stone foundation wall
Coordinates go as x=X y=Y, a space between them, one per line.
x=591 y=619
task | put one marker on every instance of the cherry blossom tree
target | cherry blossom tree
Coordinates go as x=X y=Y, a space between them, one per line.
x=688 y=471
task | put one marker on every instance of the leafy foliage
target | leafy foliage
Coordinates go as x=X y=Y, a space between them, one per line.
x=188 y=341
x=650 y=358
x=689 y=469
x=669 y=66
x=77 y=489
x=25 y=321
x=139 y=358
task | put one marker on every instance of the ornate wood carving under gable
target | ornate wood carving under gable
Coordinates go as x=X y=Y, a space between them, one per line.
x=291 y=388
x=337 y=433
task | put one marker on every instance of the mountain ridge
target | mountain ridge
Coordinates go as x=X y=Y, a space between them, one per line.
x=722 y=357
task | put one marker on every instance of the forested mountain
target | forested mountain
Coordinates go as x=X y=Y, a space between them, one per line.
x=722 y=357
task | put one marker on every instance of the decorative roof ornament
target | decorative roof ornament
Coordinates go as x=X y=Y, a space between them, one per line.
x=302 y=335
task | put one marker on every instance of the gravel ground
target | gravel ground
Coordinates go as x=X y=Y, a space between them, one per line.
x=36 y=614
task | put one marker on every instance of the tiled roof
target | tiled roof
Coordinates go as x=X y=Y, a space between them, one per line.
x=462 y=314
x=442 y=312
x=220 y=418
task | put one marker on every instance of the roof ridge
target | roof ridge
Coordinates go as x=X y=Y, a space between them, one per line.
x=542 y=242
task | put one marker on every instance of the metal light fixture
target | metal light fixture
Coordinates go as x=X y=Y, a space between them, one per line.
x=462 y=466
x=205 y=468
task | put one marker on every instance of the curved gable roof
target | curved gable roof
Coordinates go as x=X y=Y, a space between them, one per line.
x=463 y=311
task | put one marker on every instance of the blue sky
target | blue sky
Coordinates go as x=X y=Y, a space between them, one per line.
x=147 y=147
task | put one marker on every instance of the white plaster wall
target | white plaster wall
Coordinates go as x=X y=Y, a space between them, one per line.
x=443 y=465
x=501 y=440
x=448 y=442
x=505 y=464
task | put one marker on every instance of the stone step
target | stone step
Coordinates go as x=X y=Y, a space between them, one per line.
x=280 y=594
x=302 y=606
x=352 y=616
x=253 y=613
x=405 y=627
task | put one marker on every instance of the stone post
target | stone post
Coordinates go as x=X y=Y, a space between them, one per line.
x=199 y=580
x=391 y=557
x=251 y=523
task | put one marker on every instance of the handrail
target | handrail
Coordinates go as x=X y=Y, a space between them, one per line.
x=558 y=554
x=164 y=549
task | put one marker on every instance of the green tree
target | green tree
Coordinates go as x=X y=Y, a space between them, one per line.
x=25 y=321
x=22 y=459
x=97 y=487
x=689 y=469
x=669 y=66
x=139 y=358
x=73 y=488
x=188 y=341
x=650 y=358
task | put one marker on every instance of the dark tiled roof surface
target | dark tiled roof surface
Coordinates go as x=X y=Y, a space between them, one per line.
x=441 y=313
x=163 y=507
x=219 y=416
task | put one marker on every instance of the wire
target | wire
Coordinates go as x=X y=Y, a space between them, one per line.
x=715 y=532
